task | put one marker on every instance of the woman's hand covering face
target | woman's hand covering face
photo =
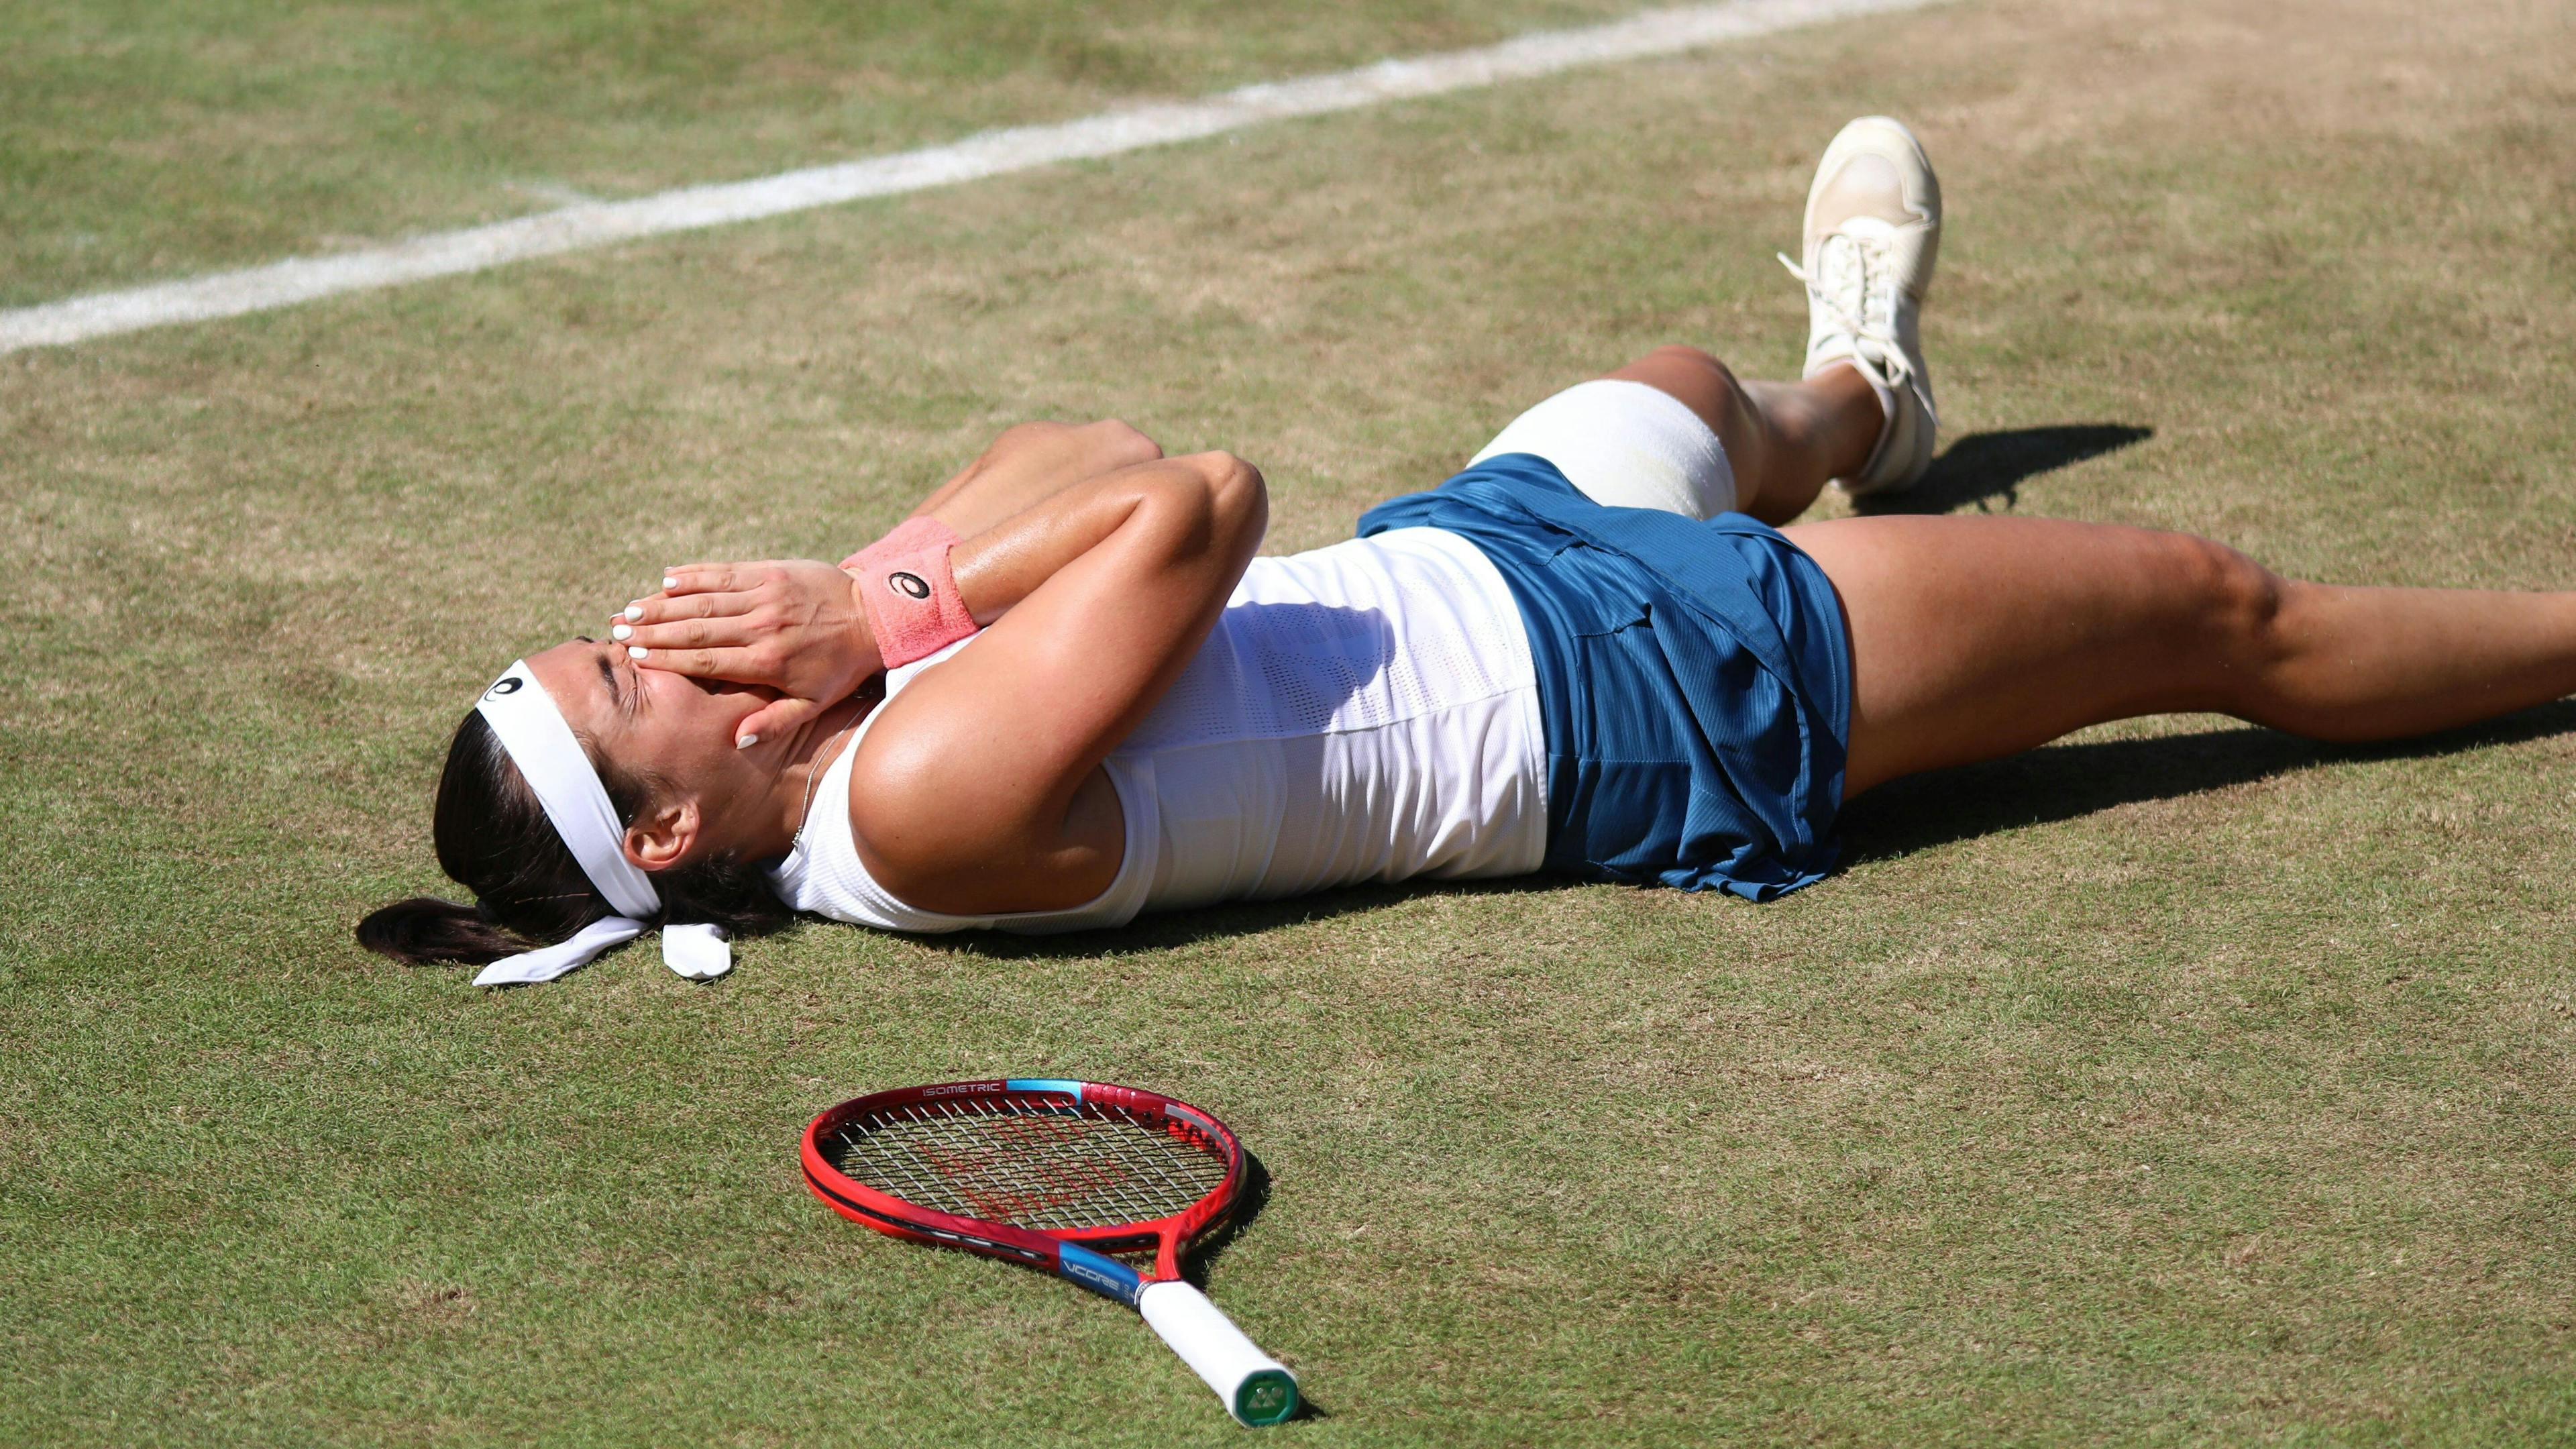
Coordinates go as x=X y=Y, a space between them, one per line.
x=795 y=626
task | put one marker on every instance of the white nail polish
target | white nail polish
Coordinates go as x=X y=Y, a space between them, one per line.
x=746 y=742
x=635 y=610
x=635 y=651
x=669 y=583
x=620 y=631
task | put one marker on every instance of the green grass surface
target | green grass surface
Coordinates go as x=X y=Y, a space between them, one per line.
x=138 y=139
x=2177 y=1084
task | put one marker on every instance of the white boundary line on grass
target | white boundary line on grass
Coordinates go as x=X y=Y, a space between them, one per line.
x=987 y=153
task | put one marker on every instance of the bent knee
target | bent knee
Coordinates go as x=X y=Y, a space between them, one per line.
x=1695 y=360
x=1684 y=352
x=1701 y=383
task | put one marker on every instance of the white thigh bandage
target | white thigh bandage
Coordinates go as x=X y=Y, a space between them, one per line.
x=1627 y=445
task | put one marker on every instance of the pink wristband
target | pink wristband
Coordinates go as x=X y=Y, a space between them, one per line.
x=909 y=536
x=912 y=602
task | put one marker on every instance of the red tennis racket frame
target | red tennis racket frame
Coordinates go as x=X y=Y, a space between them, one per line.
x=1037 y=1248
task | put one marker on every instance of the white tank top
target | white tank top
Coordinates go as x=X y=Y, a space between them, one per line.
x=1364 y=712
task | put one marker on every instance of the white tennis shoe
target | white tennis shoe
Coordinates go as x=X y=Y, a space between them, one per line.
x=1873 y=230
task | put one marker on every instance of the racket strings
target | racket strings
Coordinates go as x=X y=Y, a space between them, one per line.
x=1033 y=1165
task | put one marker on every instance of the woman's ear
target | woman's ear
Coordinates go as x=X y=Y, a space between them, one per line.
x=662 y=836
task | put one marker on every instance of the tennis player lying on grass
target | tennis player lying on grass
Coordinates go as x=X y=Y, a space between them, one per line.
x=1591 y=652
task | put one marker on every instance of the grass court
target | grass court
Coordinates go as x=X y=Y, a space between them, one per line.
x=2180 y=1083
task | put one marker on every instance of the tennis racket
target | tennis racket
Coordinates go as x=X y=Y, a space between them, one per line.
x=1060 y=1176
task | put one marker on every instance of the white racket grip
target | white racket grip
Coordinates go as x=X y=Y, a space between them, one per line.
x=1257 y=1389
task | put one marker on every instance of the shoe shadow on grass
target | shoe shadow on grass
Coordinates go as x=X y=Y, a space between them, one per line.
x=1982 y=467
x=2063 y=782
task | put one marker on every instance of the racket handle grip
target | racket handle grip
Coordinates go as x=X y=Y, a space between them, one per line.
x=1257 y=1389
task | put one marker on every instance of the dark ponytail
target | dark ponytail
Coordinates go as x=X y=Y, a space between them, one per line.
x=494 y=839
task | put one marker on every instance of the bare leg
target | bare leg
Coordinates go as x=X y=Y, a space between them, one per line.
x=1784 y=439
x=1979 y=637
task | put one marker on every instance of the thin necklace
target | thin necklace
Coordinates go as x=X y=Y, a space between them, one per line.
x=814 y=778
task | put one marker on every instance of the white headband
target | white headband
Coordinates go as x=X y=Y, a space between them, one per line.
x=524 y=717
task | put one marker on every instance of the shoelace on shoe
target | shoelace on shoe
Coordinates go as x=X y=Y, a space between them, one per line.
x=1855 y=292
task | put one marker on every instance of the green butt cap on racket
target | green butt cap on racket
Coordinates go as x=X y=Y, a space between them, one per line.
x=1267 y=1397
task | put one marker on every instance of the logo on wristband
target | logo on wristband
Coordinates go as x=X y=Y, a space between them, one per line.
x=912 y=585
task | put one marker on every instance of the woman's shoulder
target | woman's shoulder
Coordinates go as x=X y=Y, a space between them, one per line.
x=944 y=839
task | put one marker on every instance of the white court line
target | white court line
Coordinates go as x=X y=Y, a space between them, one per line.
x=987 y=153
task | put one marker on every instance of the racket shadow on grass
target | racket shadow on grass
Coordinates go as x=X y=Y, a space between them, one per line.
x=1203 y=1258
x=1981 y=467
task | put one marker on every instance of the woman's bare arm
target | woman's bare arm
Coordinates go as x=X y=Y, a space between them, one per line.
x=1030 y=463
x=797 y=627
x=981 y=791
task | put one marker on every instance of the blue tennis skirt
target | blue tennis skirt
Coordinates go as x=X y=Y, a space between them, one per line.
x=1694 y=679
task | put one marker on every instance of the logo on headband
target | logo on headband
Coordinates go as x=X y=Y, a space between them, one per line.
x=912 y=584
x=506 y=686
